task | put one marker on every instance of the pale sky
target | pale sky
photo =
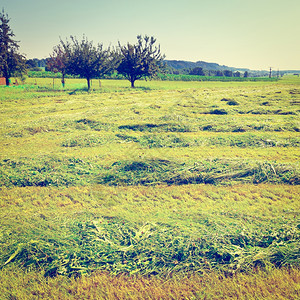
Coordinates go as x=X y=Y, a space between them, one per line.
x=254 y=34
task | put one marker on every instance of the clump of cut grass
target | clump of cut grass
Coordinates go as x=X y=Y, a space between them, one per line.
x=270 y=112
x=219 y=111
x=84 y=141
x=38 y=129
x=92 y=124
x=252 y=140
x=208 y=128
x=47 y=171
x=144 y=127
x=127 y=138
x=164 y=127
x=239 y=129
x=157 y=171
x=161 y=141
x=232 y=102
x=29 y=131
x=152 y=171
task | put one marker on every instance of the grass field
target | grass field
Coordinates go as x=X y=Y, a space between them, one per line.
x=172 y=190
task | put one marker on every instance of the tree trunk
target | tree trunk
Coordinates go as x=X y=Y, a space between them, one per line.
x=132 y=83
x=88 y=83
x=7 y=81
x=63 y=80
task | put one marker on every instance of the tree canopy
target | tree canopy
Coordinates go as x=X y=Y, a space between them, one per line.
x=139 y=60
x=58 y=62
x=86 y=60
x=11 y=62
x=197 y=71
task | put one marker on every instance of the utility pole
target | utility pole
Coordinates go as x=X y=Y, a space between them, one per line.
x=270 y=74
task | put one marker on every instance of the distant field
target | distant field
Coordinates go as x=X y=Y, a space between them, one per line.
x=164 y=77
x=175 y=183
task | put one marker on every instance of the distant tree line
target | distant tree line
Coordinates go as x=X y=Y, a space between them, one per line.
x=36 y=64
x=199 y=71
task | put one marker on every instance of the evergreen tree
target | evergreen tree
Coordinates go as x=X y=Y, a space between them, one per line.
x=140 y=60
x=11 y=62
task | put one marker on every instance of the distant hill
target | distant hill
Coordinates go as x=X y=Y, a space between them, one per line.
x=182 y=64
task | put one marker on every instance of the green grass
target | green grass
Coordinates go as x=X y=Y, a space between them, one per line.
x=150 y=230
x=164 y=77
x=170 y=178
x=186 y=77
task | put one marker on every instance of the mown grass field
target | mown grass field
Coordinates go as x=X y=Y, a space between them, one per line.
x=172 y=190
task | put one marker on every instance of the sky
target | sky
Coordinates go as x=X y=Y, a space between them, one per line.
x=254 y=34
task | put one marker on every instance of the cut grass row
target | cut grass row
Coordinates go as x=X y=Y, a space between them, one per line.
x=222 y=125
x=150 y=230
x=49 y=170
